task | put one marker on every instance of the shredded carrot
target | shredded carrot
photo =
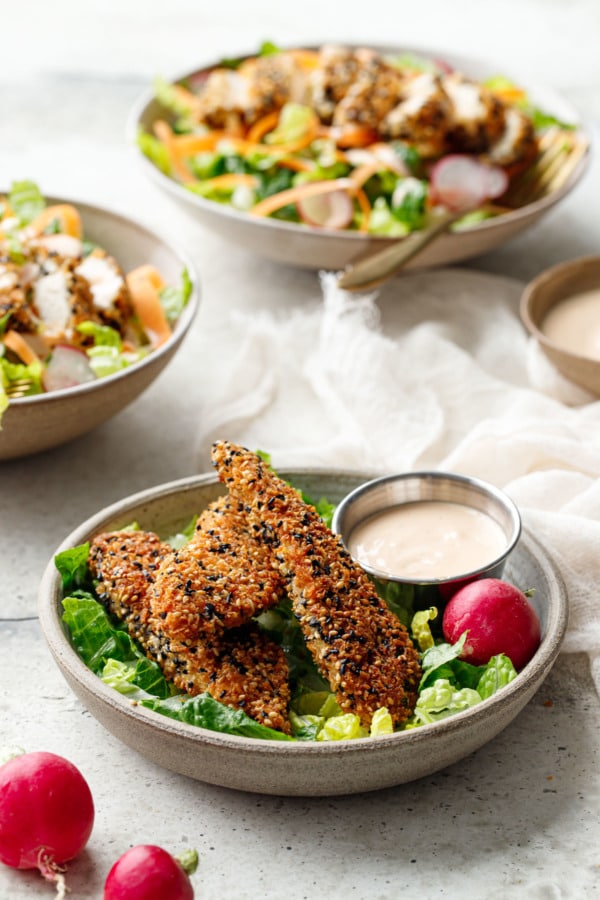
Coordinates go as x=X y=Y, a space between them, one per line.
x=296 y=163
x=365 y=207
x=144 y=285
x=362 y=174
x=19 y=346
x=67 y=216
x=186 y=98
x=261 y=127
x=164 y=133
x=307 y=59
x=230 y=180
x=356 y=136
x=292 y=195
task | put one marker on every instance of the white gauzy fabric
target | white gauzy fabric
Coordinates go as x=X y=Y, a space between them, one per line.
x=436 y=371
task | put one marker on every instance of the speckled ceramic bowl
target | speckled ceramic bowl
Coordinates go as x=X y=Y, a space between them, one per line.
x=300 y=768
x=390 y=491
x=546 y=290
x=318 y=248
x=43 y=421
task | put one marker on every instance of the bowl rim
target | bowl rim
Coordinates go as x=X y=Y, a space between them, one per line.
x=439 y=475
x=540 y=281
x=180 y=329
x=50 y=592
x=148 y=96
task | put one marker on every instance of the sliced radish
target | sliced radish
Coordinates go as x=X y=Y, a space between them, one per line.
x=68 y=367
x=461 y=182
x=333 y=210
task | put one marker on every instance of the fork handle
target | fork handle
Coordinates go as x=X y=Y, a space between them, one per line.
x=380 y=266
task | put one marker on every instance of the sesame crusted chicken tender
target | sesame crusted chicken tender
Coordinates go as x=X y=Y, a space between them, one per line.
x=125 y=564
x=477 y=116
x=252 y=674
x=219 y=580
x=242 y=668
x=371 y=96
x=359 y=646
x=337 y=71
x=421 y=116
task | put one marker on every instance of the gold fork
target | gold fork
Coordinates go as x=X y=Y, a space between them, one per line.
x=559 y=154
x=18 y=388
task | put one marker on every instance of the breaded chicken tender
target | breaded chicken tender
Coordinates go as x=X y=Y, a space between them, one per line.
x=359 y=646
x=220 y=580
x=243 y=668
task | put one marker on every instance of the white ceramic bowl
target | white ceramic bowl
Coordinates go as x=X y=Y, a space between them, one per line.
x=318 y=248
x=295 y=768
x=43 y=421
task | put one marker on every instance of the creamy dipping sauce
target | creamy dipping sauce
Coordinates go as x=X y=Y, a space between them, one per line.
x=425 y=540
x=574 y=324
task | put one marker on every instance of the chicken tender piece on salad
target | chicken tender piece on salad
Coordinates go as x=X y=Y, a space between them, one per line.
x=243 y=669
x=477 y=115
x=359 y=646
x=371 y=96
x=220 y=579
x=422 y=116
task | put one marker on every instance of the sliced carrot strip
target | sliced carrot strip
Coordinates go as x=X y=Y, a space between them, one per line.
x=164 y=133
x=356 y=136
x=19 y=346
x=292 y=195
x=296 y=163
x=144 y=284
x=230 y=180
x=66 y=215
x=362 y=174
x=261 y=127
x=365 y=206
x=306 y=59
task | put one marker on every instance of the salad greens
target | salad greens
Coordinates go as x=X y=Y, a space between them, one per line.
x=273 y=128
x=46 y=307
x=448 y=684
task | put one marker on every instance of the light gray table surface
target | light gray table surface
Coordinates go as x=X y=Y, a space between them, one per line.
x=517 y=819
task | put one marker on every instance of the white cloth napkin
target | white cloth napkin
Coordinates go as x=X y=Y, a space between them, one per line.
x=435 y=371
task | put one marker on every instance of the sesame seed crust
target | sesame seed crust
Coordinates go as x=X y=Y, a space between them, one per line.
x=219 y=580
x=359 y=646
x=241 y=668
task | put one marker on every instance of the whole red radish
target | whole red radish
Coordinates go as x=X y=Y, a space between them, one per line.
x=497 y=617
x=148 y=872
x=46 y=813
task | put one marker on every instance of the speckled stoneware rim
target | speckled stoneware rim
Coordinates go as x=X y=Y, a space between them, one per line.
x=503 y=706
x=467 y=483
x=179 y=330
x=553 y=102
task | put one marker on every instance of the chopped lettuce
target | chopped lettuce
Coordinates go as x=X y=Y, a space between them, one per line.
x=294 y=121
x=205 y=712
x=72 y=565
x=175 y=299
x=155 y=151
x=496 y=674
x=26 y=201
x=420 y=628
x=443 y=699
x=11 y=372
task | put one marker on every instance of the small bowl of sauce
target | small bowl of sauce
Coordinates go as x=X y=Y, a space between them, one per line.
x=428 y=533
x=561 y=309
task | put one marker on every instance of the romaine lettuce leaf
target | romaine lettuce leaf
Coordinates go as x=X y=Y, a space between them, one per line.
x=205 y=712
x=72 y=565
x=442 y=699
x=175 y=299
x=97 y=641
x=26 y=201
x=498 y=672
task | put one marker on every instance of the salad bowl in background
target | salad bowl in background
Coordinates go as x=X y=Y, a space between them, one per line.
x=294 y=768
x=40 y=422
x=311 y=247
